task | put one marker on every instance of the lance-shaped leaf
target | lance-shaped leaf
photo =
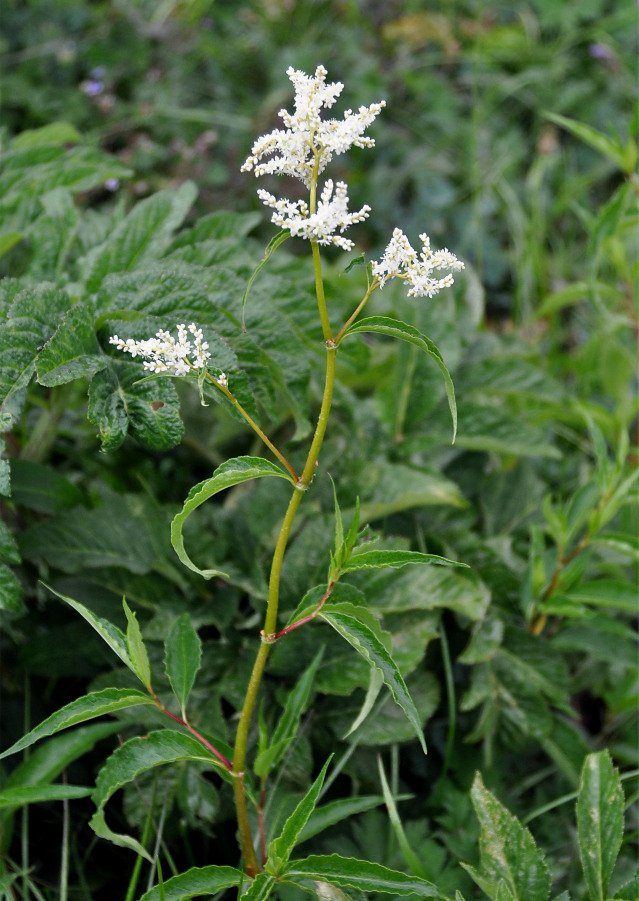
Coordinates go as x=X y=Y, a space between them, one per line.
x=195 y=882
x=396 y=559
x=20 y=795
x=183 y=652
x=97 y=703
x=135 y=757
x=334 y=812
x=599 y=821
x=113 y=636
x=136 y=648
x=383 y=325
x=281 y=848
x=232 y=472
x=366 y=643
x=362 y=874
x=511 y=864
x=261 y=888
x=288 y=724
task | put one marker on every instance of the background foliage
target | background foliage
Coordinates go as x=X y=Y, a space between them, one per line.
x=113 y=113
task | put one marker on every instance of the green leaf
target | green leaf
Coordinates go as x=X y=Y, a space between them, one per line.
x=195 y=882
x=21 y=795
x=182 y=655
x=599 y=821
x=393 y=487
x=72 y=352
x=232 y=472
x=397 y=329
x=409 y=855
x=136 y=756
x=361 y=874
x=53 y=133
x=119 y=402
x=606 y=593
x=8 y=546
x=508 y=852
x=336 y=811
x=8 y=241
x=113 y=636
x=10 y=593
x=273 y=244
x=142 y=236
x=395 y=559
x=97 y=703
x=624 y=157
x=280 y=849
x=288 y=724
x=135 y=646
x=261 y=888
x=370 y=647
x=41 y=488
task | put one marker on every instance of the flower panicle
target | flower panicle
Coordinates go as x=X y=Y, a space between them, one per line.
x=400 y=260
x=164 y=353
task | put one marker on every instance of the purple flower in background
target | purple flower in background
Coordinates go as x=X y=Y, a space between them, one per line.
x=92 y=88
x=112 y=184
x=602 y=51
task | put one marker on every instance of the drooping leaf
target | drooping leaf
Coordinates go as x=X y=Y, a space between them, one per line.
x=366 y=643
x=195 y=882
x=136 y=756
x=96 y=703
x=396 y=329
x=335 y=811
x=182 y=655
x=410 y=857
x=508 y=852
x=281 y=848
x=359 y=874
x=599 y=821
x=273 y=244
x=232 y=472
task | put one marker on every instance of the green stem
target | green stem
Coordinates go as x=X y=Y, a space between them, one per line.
x=270 y=621
x=360 y=306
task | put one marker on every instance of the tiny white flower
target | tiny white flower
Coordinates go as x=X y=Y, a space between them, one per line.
x=400 y=260
x=164 y=354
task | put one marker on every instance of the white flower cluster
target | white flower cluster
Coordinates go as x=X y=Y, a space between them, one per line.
x=164 y=354
x=307 y=145
x=400 y=260
x=332 y=214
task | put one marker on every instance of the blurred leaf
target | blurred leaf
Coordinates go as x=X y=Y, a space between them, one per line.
x=624 y=157
x=33 y=794
x=41 y=488
x=392 y=487
x=599 y=822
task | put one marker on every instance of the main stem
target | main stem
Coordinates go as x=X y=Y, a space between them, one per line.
x=270 y=622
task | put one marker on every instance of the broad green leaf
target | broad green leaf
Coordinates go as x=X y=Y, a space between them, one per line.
x=396 y=329
x=361 y=874
x=182 y=655
x=195 y=882
x=33 y=317
x=117 y=533
x=409 y=855
x=142 y=236
x=136 y=648
x=232 y=472
x=288 y=724
x=508 y=851
x=41 y=488
x=33 y=794
x=395 y=559
x=120 y=403
x=599 y=822
x=370 y=647
x=136 y=756
x=393 y=487
x=97 y=703
x=72 y=352
x=8 y=241
x=113 y=636
x=281 y=848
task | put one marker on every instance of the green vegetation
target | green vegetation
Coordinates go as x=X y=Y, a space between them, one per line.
x=509 y=135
